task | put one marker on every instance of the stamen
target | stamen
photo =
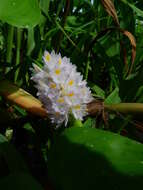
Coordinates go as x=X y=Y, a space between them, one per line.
x=53 y=85
x=70 y=83
x=71 y=94
x=77 y=107
x=57 y=71
x=60 y=100
x=60 y=61
x=48 y=57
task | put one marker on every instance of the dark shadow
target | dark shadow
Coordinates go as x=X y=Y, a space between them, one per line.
x=10 y=160
x=89 y=171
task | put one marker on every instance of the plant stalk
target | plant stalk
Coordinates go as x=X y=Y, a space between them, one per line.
x=125 y=108
x=25 y=100
x=9 y=44
x=19 y=35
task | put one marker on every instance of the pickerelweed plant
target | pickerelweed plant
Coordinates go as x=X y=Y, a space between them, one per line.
x=61 y=88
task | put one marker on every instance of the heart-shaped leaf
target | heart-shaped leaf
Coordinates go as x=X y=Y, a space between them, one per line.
x=25 y=13
x=89 y=158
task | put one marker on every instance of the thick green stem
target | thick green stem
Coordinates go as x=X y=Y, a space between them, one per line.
x=28 y=102
x=19 y=35
x=126 y=108
x=97 y=107
x=30 y=41
x=9 y=44
x=20 y=97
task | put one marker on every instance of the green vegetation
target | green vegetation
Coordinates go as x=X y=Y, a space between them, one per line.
x=104 y=40
x=84 y=158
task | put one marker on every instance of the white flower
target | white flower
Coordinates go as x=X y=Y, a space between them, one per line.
x=61 y=88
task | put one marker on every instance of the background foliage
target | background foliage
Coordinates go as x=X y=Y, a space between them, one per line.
x=103 y=38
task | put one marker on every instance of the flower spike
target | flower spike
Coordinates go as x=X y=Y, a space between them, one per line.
x=61 y=88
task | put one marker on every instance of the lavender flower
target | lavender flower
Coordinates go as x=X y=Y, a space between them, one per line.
x=61 y=88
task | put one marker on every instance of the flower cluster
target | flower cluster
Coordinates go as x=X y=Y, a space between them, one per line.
x=61 y=88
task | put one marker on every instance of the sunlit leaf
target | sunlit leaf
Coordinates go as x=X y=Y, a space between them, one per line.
x=113 y=97
x=97 y=158
x=132 y=6
x=96 y=89
x=25 y=13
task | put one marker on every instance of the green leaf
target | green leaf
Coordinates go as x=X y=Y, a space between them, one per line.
x=89 y=123
x=21 y=181
x=113 y=50
x=25 y=13
x=30 y=41
x=113 y=98
x=135 y=9
x=14 y=173
x=2 y=139
x=89 y=158
x=77 y=123
x=98 y=91
x=128 y=88
x=44 y=4
x=11 y=158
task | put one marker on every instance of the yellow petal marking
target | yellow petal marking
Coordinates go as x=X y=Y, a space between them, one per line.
x=48 y=57
x=77 y=107
x=57 y=71
x=71 y=94
x=53 y=85
x=60 y=100
x=60 y=61
x=70 y=83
